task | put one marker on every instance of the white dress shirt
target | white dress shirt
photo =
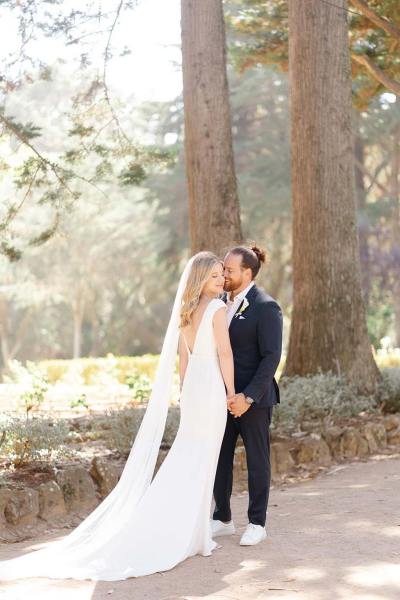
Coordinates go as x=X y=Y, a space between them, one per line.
x=234 y=304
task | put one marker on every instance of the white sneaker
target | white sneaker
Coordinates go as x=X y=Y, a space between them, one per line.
x=219 y=528
x=253 y=535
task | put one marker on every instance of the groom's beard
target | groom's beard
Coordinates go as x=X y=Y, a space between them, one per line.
x=231 y=286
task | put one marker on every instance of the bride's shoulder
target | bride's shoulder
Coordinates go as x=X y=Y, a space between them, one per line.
x=217 y=303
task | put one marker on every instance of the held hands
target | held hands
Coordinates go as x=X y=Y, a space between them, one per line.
x=237 y=405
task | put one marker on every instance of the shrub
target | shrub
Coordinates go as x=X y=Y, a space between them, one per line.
x=23 y=440
x=33 y=379
x=140 y=386
x=80 y=402
x=389 y=390
x=171 y=426
x=121 y=428
x=318 y=398
x=386 y=358
x=90 y=369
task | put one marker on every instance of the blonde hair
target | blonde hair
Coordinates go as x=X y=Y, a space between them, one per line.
x=202 y=267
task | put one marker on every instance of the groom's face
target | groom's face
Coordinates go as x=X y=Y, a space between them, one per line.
x=235 y=276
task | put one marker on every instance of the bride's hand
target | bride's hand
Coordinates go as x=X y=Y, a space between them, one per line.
x=229 y=398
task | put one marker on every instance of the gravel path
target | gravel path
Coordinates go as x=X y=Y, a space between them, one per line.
x=336 y=537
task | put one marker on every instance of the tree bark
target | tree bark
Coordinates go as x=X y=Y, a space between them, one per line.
x=328 y=331
x=78 y=310
x=395 y=184
x=363 y=228
x=213 y=200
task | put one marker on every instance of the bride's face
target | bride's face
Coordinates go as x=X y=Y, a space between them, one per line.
x=214 y=286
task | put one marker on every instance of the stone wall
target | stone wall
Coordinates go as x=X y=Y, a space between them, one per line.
x=26 y=510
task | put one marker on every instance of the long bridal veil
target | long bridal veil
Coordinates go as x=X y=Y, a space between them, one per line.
x=118 y=507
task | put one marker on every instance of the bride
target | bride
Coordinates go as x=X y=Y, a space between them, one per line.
x=145 y=526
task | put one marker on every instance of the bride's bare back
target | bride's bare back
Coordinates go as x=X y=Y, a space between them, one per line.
x=190 y=331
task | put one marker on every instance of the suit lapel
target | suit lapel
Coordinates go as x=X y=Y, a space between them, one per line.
x=250 y=295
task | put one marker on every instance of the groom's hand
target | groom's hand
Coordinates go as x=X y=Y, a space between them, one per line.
x=237 y=405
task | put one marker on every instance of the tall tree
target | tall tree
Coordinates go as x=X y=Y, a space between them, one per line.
x=328 y=331
x=213 y=200
x=396 y=225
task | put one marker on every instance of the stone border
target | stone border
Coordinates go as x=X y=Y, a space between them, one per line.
x=75 y=490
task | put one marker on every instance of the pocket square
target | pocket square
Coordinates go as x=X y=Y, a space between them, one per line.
x=242 y=317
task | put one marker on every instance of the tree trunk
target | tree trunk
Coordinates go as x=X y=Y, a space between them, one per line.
x=78 y=309
x=213 y=200
x=395 y=185
x=4 y=345
x=328 y=331
x=363 y=227
x=9 y=347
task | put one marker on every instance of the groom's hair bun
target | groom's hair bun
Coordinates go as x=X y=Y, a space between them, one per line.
x=260 y=253
x=252 y=257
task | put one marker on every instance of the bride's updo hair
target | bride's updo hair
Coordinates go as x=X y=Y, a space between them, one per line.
x=203 y=264
x=252 y=257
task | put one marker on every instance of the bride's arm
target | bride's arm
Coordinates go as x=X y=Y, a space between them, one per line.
x=183 y=360
x=224 y=350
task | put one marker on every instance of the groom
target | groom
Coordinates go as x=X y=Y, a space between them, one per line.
x=255 y=330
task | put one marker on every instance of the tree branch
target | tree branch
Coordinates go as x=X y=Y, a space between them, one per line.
x=14 y=210
x=373 y=180
x=375 y=176
x=105 y=86
x=377 y=20
x=54 y=167
x=46 y=161
x=390 y=84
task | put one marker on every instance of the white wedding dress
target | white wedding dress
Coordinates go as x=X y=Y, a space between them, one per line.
x=145 y=526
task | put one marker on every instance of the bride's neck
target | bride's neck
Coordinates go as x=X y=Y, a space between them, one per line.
x=206 y=298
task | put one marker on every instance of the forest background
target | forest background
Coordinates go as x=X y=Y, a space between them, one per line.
x=91 y=258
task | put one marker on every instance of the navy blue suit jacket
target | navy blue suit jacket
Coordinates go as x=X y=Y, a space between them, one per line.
x=256 y=339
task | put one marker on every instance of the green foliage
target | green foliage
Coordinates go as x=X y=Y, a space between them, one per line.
x=81 y=401
x=45 y=235
x=259 y=32
x=165 y=157
x=10 y=251
x=140 y=385
x=23 y=440
x=33 y=379
x=80 y=130
x=379 y=319
x=86 y=151
x=389 y=390
x=171 y=426
x=388 y=358
x=123 y=425
x=72 y=156
x=133 y=174
x=135 y=371
x=323 y=397
x=27 y=130
x=30 y=168
x=320 y=400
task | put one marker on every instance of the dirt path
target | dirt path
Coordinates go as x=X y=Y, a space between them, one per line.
x=336 y=537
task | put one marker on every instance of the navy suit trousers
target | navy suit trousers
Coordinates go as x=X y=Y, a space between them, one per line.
x=253 y=427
